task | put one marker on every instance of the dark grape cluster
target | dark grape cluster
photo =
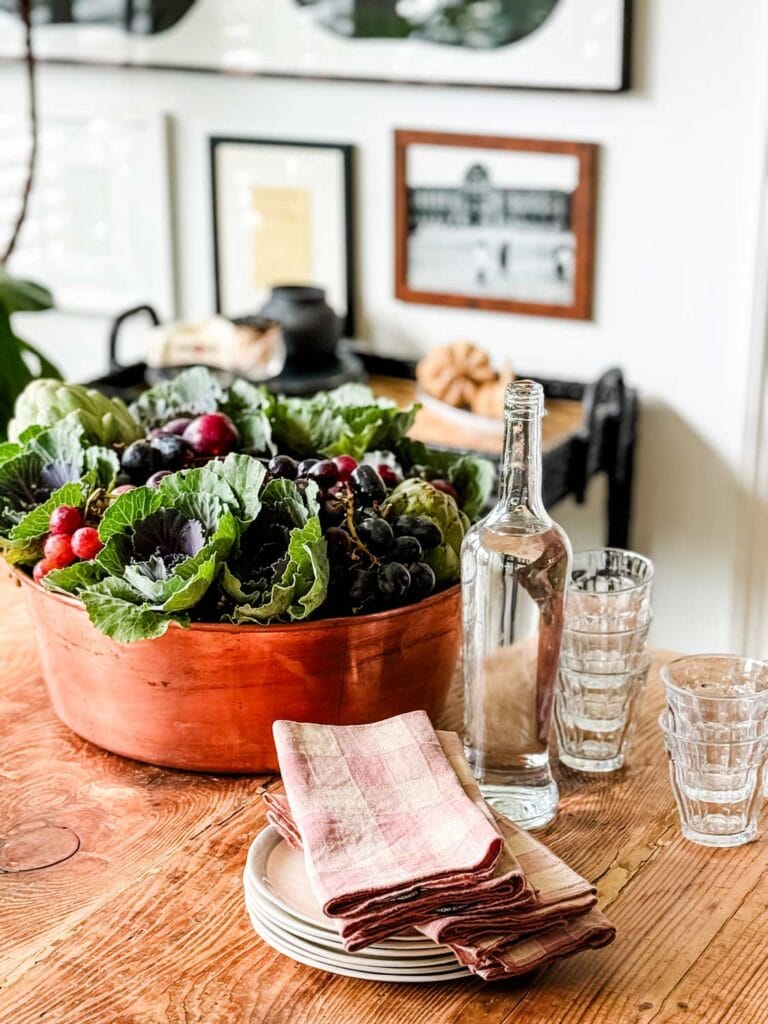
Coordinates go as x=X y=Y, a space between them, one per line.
x=376 y=562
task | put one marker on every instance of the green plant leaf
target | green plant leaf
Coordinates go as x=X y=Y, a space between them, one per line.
x=115 y=554
x=45 y=367
x=206 y=508
x=201 y=480
x=127 y=509
x=248 y=408
x=116 y=610
x=18 y=296
x=302 y=587
x=8 y=449
x=191 y=393
x=244 y=476
x=35 y=523
x=287 y=503
x=62 y=442
x=74 y=578
x=347 y=421
x=195 y=577
x=19 y=478
x=104 y=464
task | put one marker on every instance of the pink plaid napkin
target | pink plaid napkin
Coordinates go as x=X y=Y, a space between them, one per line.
x=388 y=832
x=503 y=957
x=552 y=914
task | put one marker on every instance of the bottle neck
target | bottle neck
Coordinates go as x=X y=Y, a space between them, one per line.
x=521 y=466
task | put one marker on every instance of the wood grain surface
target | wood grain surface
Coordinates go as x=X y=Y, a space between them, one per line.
x=143 y=921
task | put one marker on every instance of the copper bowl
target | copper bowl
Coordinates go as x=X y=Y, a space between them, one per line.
x=205 y=698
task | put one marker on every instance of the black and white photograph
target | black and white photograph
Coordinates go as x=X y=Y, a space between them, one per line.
x=496 y=225
x=522 y=44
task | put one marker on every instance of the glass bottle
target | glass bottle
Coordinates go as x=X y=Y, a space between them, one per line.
x=514 y=569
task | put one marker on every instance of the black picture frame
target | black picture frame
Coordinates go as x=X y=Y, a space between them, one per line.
x=349 y=319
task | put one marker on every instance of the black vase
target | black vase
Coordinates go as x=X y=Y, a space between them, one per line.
x=311 y=329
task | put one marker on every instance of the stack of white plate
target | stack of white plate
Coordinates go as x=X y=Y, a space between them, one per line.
x=284 y=912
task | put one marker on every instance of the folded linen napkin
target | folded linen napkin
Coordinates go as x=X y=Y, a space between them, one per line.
x=504 y=957
x=500 y=945
x=551 y=916
x=389 y=833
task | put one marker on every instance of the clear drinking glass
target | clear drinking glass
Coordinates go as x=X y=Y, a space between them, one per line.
x=717 y=786
x=596 y=714
x=609 y=591
x=514 y=568
x=585 y=651
x=717 y=694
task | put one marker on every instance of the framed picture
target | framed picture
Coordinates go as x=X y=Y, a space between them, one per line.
x=530 y=44
x=495 y=223
x=282 y=214
x=98 y=230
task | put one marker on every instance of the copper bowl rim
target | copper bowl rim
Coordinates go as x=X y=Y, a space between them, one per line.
x=340 y=622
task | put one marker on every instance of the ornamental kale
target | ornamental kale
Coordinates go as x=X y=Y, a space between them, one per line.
x=43 y=469
x=346 y=421
x=164 y=548
x=213 y=538
x=281 y=570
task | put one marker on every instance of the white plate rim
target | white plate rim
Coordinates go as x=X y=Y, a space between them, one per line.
x=261 y=847
x=338 y=951
x=342 y=959
x=417 y=950
x=460 y=974
x=431 y=953
x=464 y=417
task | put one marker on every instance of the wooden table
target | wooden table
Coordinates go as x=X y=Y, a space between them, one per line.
x=144 y=922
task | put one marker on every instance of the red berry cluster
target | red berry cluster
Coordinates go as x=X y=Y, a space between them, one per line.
x=68 y=540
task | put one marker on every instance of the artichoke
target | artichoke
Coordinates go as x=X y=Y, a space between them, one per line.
x=106 y=421
x=418 y=498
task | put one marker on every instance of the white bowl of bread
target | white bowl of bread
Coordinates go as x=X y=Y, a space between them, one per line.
x=460 y=377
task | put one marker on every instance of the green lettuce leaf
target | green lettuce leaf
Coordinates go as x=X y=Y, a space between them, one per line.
x=301 y=589
x=191 y=393
x=62 y=442
x=244 y=476
x=194 y=577
x=347 y=421
x=24 y=543
x=195 y=482
x=128 y=509
x=114 y=556
x=9 y=449
x=74 y=578
x=288 y=504
x=116 y=610
x=104 y=464
x=248 y=407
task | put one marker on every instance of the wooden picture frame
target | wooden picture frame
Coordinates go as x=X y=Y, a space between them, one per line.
x=328 y=168
x=494 y=221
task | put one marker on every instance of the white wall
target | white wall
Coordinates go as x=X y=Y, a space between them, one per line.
x=680 y=171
